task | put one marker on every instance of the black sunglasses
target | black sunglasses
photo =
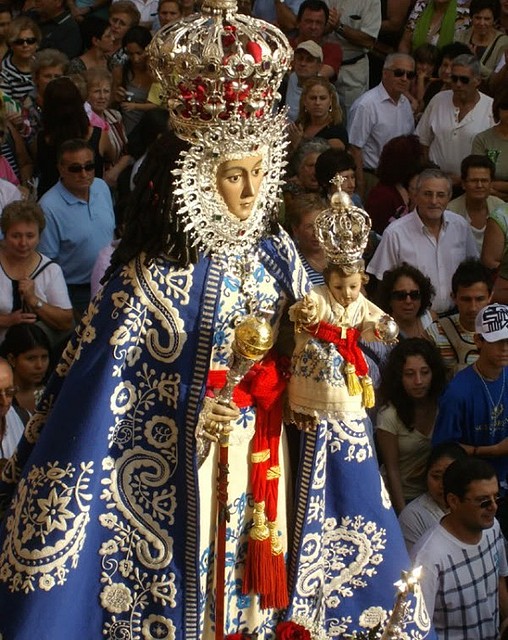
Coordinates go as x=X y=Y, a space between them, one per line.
x=414 y=294
x=78 y=168
x=462 y=79
x=20 y=41
x=399 y=73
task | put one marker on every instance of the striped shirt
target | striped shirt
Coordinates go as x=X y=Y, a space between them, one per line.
x=13 y=82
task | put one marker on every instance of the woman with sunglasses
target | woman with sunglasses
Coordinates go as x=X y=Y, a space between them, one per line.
x=406 y=294
x=411 y=384
x=16 y=79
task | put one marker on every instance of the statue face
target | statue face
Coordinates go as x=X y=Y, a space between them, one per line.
x=238 y=182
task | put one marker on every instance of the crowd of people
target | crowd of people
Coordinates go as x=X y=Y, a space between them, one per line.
x=398 y=106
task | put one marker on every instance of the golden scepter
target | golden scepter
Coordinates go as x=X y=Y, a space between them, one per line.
x=253 y=339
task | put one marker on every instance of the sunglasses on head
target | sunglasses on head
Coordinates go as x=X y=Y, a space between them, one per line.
x=78 y=168
x=20 y=41
x=414 y=294
x=461 y=79
x=399 y=73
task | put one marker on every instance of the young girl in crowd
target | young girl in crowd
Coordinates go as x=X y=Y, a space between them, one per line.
x=27 y=350
x=411 y=383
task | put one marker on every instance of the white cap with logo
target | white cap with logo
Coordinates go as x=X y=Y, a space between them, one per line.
x=492 y=322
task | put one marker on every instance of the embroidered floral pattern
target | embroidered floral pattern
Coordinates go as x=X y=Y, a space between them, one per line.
x=46 y=532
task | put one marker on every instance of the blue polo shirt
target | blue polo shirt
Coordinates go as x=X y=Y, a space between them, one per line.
x=76 y=230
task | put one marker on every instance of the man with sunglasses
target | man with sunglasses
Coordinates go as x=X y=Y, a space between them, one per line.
x=79 y=219
x=463 y=557
x=453 y=118
x=379 y=115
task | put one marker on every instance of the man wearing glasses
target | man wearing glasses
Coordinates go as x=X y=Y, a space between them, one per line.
x=379 y=115
x=463 y=557
x=453 y=118
x=11 y=425
x=79 y=219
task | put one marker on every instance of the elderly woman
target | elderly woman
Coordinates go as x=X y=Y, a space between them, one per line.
x=98 y=82
x=486 y=42
x=16 y=79
x=303 y=164
x=122 y=16
x=32 y=287
x=406 y=294
x=47 y=65
x=434 y=21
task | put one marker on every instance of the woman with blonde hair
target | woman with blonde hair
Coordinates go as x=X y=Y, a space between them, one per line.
x=16 y=80
x=319 y=115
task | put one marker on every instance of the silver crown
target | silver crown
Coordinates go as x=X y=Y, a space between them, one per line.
x=219 y=65
x=343 y=229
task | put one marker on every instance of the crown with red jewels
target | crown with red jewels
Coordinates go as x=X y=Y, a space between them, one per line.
x=219 y=65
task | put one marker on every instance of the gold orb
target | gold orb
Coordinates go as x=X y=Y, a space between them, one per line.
x=253 y=337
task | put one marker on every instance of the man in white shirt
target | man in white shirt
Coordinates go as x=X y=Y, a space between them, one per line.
x=430 y=238
x=463 y=557
x=355 y=25
x=379 y=115
x=453 y=118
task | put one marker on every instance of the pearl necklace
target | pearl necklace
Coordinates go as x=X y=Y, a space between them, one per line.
x=497 y=408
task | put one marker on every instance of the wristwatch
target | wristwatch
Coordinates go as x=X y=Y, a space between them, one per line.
x=340 y=29
x=38 y=304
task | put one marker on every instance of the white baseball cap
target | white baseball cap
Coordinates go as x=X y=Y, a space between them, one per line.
x=492 y=322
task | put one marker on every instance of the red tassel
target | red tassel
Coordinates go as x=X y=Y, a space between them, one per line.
x=278 y=598
x=258 y=567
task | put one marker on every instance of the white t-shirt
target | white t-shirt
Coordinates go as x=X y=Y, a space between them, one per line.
x=50 y=287
x=449 y=140
x=420 y=515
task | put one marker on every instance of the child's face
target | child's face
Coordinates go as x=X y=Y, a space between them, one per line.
x=345 y=289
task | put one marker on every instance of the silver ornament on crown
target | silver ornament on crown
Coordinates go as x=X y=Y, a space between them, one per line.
x=343 y=229
x=218 y=66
